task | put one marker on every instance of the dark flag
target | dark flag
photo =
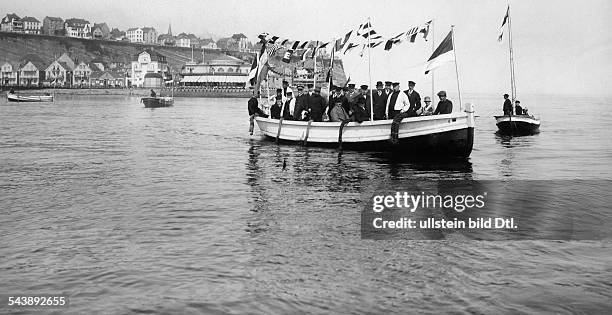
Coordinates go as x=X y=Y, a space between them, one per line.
x=501 y=31
x=289 y=52
x=443 y=54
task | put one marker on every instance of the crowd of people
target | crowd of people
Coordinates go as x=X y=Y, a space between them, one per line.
x=388 y=101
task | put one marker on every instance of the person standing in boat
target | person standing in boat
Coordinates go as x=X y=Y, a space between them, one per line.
x=352 y=94
x=397 y=102
x=507 y=105
x=275 y=110
x=360 y=111
x=289 y=109
x=301 y=103
x=254 y=110
x=380 y=101
x=517 y=108
x=388 y=88
x=445 y=106
x=316 y=105
x=415 y=100
x=286 y=89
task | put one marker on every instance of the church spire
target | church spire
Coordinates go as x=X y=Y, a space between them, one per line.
x=169 y=29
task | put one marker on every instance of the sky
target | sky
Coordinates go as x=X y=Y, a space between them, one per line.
x=560 y=47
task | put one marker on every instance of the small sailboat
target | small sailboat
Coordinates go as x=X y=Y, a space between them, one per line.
x=516 y=124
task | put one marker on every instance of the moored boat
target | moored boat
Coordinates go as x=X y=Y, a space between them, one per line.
x=155 y=102
x=518 y=125
x=445 y=136
x=29 y=98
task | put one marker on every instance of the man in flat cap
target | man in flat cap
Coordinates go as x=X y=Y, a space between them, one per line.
x=380 y=101
x=397 y=102
x=415 y=100
x=445 y=106
x=301 y=103
x=507 y=105
x=316 y=105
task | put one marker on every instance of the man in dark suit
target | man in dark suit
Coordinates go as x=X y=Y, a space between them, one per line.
x=507 y=105
x=380 y=101
x=415 y=100
x=301 y=103
x=360 y=111
x=517 y=108
x=316 y=104
x=445 y=106
x=254 y=110
x=388 y=88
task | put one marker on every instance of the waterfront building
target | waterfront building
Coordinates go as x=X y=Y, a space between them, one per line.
x=183 y=40
x=8 y=73
x=208 y=43
x=66 y=59
x=107 y=79
x=53 y=26
x=82 y=74
x=11 y=23
x=31 y=25
x=220 y=71
x=147 y=61
x=58 y=73
x=31 y=71
x=100 y=31
x=79 y=28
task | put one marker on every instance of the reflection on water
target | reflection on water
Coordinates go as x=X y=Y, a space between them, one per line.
x=178 y=210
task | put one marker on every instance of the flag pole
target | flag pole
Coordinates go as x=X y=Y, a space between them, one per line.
x=512 y=77
x=456 y=67
x=268 y=106
x=314 y=73
x=370 y=73
x=433 y=48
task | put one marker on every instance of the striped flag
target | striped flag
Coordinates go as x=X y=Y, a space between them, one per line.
x=366 y=31
x=501 y=29
x=289 y=52
x=443 y=54
x=410 y=34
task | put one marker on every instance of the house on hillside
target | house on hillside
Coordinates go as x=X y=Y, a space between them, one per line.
x=58 y=74
x=167 y=39
x=31 y=25
x=194 y=41
x=31 y=71
x=147 y=61
x=100 y=31
x=208 y=43
x=53 y=26
x=66 y=59
x=11 y=23
x=116 y=34
x=149 y=35
x=9 y=73
x=240 y=42
x=134 y=35
x=183 y=40
x=79 y=28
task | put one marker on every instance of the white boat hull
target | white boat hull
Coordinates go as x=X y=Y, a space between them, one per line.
x=29 y=98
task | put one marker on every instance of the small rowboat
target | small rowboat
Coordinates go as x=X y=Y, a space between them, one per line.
x=154 y=102
x=29 y=98
x=518 y=125
x=443 y=136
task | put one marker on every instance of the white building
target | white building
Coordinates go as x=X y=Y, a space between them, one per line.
x=183 y=40
x=77 y=28
x=8 y=73
x=148 y=61
x=135 y=35
x=31 y=25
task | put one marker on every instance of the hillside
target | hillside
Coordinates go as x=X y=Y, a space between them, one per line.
x=13 y=46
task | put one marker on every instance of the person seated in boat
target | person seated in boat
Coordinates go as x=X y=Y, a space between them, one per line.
x=289 y=109
x=301 y=104
x=316 y=105
x=445 y=106
x=12 y=91
x=415 y=100
x=359 y=113
x=153 y=93
x=397 y=102
x=507 y=105
x=337 y=113
x=47 y=94
x=517 y=108
x=380 y=101
x=275 y=110
x=278 y=96
x=427 y=109
x=254 y=110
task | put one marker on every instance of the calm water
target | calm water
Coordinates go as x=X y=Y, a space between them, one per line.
x=179 y=210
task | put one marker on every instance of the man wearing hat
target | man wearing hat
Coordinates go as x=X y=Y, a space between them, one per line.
x=445 y=106
x=415 y=100
x=254 y=110
x=316 y=105
x=352 y=94
x=289 y=109
x=397 y=102
x=388 y=88
x=337 y=112
x=517 y=108
x=278 y=96
x=360 y=111
x=301 y=103
x=427 y=109
x=507 y=105
x=286 y=89
x=335 y=98
x=380 y=101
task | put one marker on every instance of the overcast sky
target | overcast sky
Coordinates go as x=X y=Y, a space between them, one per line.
x=561 y=47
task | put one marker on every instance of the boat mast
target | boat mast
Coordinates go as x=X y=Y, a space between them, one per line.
x=512 y=77
x=314 y=74
x=433 y=48
x=370 y=74
x=456 y=67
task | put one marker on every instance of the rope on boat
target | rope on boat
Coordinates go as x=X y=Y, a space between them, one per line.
x=305 y=141
x=280 y=125
x=344 y=123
